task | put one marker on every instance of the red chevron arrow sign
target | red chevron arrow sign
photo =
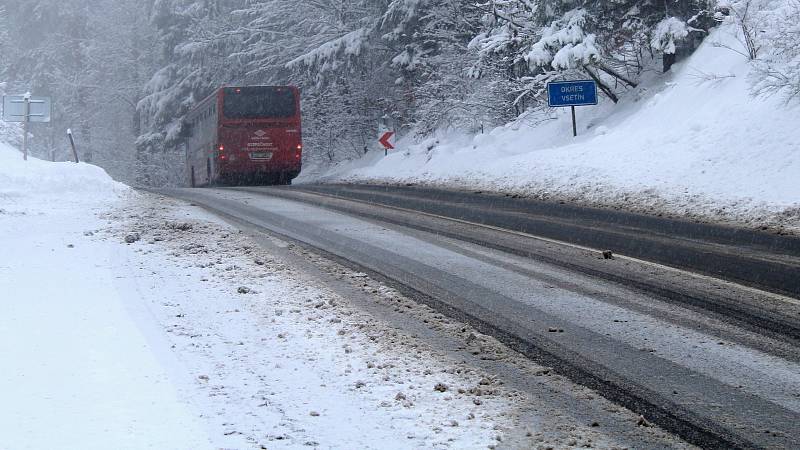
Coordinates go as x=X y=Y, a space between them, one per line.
x=384 y=140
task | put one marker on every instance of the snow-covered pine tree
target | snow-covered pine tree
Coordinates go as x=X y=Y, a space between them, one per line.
x=193 y=42
x=435 y=66
x=405 y=62
x=610 y=42
x=10 y=133
x=4 y=41
x=120 y=60
x=347 y=79
x=52 y=64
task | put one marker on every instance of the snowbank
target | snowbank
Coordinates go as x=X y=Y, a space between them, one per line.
x=692 y=142
x=25 y=183
x=76 y=370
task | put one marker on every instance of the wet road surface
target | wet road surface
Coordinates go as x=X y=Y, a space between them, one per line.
x=717 y=376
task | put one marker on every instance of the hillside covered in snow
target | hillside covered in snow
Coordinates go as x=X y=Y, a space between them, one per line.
x=692 y=142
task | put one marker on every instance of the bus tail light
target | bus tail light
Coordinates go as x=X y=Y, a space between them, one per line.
x=221 y=148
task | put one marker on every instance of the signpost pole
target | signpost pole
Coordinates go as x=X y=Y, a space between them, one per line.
x=25 y=121
x=572 y=94
x=574 y=125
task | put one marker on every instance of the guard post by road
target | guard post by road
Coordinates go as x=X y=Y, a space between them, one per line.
x=572 y=94
x=72 y=144
x=26 y=108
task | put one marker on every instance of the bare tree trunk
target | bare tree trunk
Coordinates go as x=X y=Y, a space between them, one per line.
x=602 y=66
x=603 y=87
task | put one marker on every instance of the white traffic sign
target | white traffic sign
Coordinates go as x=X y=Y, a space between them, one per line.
x=14 y=109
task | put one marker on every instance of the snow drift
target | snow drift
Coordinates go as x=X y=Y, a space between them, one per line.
x=32 y=181
x=692 y=142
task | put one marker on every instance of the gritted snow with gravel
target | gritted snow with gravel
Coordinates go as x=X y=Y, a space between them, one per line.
x=280 y=362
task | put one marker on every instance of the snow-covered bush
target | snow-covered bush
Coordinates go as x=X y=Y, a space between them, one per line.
x=565 y=44
x=749 y=16
x=667 y=33
x=777 y=71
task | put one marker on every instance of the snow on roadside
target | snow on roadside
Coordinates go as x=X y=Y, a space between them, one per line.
x=43 y=185
x=189 y=337
x=690 y=143
x=130 y=321
x=278 y=363
x=76 y=372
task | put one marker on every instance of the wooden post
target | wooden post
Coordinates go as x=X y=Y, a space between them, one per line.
x=72 y=144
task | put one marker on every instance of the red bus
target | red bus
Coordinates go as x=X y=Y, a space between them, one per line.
x=245 y=135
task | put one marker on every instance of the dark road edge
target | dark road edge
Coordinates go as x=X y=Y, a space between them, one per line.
x=664 y=241
x=673 y=418
x=752 y=319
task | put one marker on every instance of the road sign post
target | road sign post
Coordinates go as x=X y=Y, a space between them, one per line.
x=384 y=140
x=572 y=94
x=574 y=123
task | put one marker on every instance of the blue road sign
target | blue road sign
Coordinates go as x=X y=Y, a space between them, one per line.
x=572 y=93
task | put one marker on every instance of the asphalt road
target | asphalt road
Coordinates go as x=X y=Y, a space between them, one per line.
x=764 y=260
x=713 y=361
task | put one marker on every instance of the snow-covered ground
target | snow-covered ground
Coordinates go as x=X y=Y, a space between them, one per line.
x=75 y=372
x=189 y=336
x=689 y=143
x=280 y=362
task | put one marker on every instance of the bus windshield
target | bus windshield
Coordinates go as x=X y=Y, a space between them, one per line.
x=259 y=102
